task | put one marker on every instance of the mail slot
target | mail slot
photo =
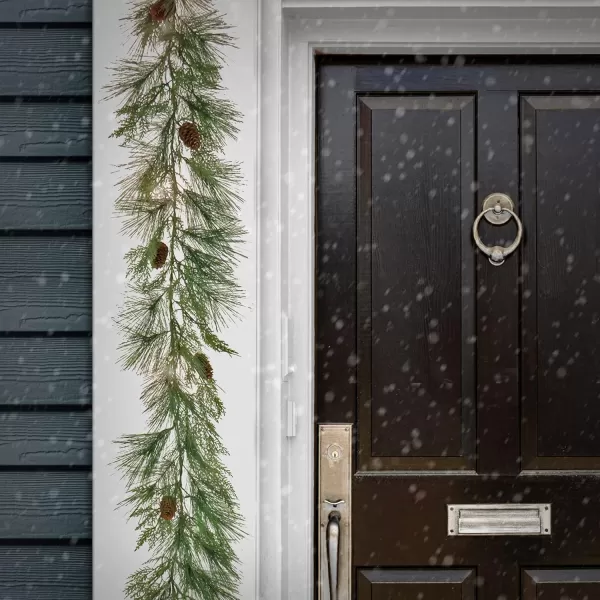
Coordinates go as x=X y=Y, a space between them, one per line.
x=499 y=519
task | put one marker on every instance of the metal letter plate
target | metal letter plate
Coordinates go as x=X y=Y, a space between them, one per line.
x=499 y=519
x=335 y=479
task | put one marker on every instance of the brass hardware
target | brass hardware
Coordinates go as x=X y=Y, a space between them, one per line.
x=497 y=209
x=335 y=478
x=504 y=202
x=499 y=519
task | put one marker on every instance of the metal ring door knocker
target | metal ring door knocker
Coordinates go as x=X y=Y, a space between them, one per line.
x=497 y=210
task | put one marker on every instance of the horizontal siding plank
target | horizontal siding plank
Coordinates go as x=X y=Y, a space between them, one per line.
x=45 y=129
x=45 y=572
x=40 y=195
x=52 y=288
x=45 y=371
x=45 y=11
x=48 y=506
x=45 y=439
x=47 y=62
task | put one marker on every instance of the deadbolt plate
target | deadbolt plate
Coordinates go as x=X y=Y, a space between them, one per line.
x=504 y=202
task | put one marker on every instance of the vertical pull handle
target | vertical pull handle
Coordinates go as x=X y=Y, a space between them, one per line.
x=332 y=538
x=333 y=553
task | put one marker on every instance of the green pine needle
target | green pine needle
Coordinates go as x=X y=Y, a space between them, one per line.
x=173 y=313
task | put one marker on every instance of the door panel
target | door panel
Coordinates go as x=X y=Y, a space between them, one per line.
x=560 y=294
x=411 y=229
x=466 y=383
x=560 y=584
x=433 y=584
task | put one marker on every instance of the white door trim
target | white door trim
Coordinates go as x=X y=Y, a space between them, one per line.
x=290 y=35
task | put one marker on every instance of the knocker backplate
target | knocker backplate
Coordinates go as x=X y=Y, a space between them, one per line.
x=497 y=199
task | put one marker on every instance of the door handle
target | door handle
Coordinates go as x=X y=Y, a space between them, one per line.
x=332 y=536
x=335 y=512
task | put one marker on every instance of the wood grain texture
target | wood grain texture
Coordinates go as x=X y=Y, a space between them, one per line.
x=45 y=371
x=392 y=78
x=45 y=572
x=336 y=353
x=45 y=129
x=498 y=406
x=561 y=584
x=45 y=195
x=49 y=506
x=47 y=62
x=45 y=11
x=560 y=139
x=400 y=516
x=45 y=439
x=433 y=584
x=410 y=344
x=52 y=288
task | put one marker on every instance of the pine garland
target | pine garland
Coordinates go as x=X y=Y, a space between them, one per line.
x=178 y=198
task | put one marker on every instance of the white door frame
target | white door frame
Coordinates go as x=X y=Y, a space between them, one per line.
x=292 y=31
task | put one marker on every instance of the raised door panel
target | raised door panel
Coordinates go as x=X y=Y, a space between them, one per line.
x=561 y=584
x=422 y=584
x=561 y=282
x=415 y=281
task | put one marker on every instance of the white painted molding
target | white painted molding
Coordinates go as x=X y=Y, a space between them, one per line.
x=429 y=4
x=441 y=9
x=271 y=415
x=573 y=35
x=289 y=40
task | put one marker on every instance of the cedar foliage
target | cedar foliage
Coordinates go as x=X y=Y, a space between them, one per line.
x=186 y=199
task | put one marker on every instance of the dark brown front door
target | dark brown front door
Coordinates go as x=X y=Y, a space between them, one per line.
x=465 y=383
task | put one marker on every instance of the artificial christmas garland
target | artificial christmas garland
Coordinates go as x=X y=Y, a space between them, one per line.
x=178 y=197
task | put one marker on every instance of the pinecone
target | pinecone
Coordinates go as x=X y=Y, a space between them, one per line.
x=158 y=11
x=160 y=258
x=206 y=366
x=168 y=508
x=189 y=135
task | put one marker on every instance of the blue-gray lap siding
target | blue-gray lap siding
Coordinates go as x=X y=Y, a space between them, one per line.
x=45 y=299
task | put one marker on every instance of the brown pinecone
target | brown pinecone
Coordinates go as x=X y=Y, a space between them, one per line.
x=168 y=508
x=158 y=11
x=206 y=366
x=189 y=135
x=160 y=258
